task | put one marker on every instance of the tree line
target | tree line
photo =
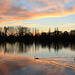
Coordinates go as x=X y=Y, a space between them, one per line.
x=27 y=34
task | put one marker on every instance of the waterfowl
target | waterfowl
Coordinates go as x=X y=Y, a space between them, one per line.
x=36 y=57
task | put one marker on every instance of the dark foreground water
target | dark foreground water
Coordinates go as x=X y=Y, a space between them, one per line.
x=54 y=58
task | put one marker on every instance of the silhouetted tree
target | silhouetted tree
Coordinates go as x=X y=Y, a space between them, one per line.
x=25 y=34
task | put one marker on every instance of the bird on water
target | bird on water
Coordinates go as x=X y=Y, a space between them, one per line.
x=36 y=57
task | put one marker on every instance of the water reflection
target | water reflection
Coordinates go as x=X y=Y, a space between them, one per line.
x=20 y=65
x=35 y=47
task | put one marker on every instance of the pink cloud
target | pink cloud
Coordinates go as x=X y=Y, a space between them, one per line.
x=49 y=8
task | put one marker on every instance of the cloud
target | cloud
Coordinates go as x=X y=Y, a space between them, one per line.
x=20 y=23
x=14 y=23
x=16 y=10
x=69 y=25
x=67 y=1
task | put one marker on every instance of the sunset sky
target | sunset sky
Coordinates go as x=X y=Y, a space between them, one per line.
x=42 y=14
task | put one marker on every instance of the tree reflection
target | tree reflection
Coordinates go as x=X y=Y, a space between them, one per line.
x=24 y=47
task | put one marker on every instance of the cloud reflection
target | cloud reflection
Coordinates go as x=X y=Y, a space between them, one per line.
x=10 y=64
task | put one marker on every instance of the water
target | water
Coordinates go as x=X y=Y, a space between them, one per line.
x=39 y=49
x=54 y=58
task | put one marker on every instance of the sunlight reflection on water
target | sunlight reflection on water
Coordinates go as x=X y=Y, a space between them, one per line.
x=54 y=59
x=20 y=65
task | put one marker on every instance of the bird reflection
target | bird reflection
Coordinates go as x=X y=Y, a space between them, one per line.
x=74 y=58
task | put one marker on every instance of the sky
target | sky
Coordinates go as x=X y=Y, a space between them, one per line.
x=40 y=14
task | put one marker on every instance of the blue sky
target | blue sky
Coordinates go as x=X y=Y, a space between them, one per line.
x=42 y=14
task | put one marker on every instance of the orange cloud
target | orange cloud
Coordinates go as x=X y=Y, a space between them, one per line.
x=14 y=23
x=10 y=11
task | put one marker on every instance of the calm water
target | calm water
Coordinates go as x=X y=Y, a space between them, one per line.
x=39 y=49
x=17 y=58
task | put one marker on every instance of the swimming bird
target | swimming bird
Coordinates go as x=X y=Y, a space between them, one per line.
x=36 y=57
